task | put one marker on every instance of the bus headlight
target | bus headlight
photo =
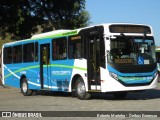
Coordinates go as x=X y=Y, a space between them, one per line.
x=155 y=74
x=115 y=76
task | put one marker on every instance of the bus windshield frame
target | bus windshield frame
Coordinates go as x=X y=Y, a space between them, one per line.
x=132 y=50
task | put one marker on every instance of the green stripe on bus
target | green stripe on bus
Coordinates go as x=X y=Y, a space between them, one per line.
x=52 y=65
x=67 y=66
x=58 y=35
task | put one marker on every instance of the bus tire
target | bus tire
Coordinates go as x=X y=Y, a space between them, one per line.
x=24 y=88
x=80 y=90
x=120 y=95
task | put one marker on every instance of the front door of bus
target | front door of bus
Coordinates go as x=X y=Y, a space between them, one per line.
x=45 y=66
x=93 y=63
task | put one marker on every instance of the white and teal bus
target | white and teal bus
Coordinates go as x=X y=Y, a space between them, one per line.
x=109 y=58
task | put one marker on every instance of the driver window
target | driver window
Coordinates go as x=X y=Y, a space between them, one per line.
x=75 y=47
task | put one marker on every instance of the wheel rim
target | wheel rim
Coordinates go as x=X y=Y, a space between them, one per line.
x=81 y=89
x=24 y=87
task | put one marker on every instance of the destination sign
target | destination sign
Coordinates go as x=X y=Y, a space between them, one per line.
x=129 y=29
x=76 y=37
x=123 y=61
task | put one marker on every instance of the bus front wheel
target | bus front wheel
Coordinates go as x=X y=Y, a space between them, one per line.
x=80 y=90
x=24 y=88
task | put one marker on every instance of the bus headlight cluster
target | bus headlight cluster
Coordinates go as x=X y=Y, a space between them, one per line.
x=155 y=74
x=115 y=76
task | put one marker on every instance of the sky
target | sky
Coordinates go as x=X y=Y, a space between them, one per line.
x=126 y=11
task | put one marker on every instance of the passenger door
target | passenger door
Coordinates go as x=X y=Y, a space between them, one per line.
x=93 y=62
x=45 y=66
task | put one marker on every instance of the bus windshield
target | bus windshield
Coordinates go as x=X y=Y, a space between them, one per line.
x=132 y=50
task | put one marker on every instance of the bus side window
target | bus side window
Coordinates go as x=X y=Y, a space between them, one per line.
x=17 y=54
x=75 y=47
x=36 y=51
x=55 y=50
x=7 y=55
x=59 y=49
x=28 y=52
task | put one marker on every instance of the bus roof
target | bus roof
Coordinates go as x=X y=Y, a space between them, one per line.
x=55 y=33
x=62 y=32
x=52 y=34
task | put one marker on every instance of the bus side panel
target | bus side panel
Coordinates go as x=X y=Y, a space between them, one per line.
x=11 y=78
x=80 y=68
x=13 y=74
x=61 y=71
x=33 y=75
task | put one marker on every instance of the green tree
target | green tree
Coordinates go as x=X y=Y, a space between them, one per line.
x=21 y=17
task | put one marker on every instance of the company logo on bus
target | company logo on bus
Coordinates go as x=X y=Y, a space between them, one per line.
x=61 y=72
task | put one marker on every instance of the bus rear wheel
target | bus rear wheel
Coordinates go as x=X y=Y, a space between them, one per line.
x=24 y=88
x=80 y=90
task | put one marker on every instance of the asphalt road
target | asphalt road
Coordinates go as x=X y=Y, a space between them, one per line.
x=11 y=99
